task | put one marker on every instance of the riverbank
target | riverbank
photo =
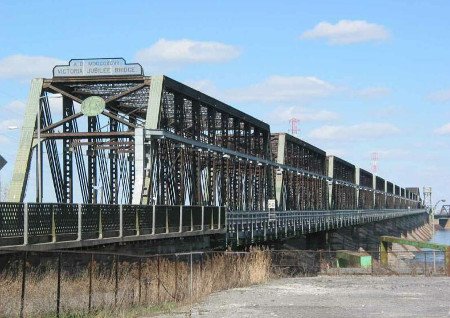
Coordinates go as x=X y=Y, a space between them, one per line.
x=331 y=296
x=423 y=234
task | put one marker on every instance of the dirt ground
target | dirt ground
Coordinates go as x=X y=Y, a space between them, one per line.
x=331 y=296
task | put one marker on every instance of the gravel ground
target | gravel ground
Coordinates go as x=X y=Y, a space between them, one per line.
x=331 y=296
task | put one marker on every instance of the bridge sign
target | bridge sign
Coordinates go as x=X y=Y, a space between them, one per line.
x=98 y=67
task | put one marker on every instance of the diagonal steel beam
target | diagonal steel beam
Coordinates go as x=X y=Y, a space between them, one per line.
x=61 y=122
x=117 y=118
x=64 y=93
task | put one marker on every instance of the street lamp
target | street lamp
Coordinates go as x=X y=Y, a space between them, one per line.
x=39 y=150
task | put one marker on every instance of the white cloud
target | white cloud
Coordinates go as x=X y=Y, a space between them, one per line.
x=443 y=130
x=441 y=96
x=175 y=53
x=284 y=89
x=7 y=124
x=347 y=32
x=284 y=114
x=362 y=131
x=25 y=67
x=373 y=92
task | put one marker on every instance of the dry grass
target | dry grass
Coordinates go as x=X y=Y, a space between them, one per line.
x=139 y=286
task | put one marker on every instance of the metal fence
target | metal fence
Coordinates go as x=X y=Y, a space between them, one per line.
x=310 y=263
x=31 y=223
x=76 y=282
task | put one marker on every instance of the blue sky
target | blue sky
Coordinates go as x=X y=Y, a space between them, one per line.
x=361 y=76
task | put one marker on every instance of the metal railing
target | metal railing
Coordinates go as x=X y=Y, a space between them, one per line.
x=263 y=224
x=32 y=223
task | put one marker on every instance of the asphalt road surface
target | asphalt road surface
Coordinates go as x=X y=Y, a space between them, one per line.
x=331 y=296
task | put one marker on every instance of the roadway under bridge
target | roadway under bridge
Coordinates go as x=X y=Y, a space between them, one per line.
x=128 y=157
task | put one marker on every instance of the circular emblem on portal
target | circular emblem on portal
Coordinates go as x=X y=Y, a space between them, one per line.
x=93 y=106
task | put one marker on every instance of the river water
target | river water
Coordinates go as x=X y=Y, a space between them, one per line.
x=442 y=237
x=430 y=257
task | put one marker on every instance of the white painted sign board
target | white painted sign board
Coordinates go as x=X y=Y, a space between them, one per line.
x=97 y=67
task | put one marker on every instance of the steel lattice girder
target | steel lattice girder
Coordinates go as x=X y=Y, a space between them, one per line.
x=120 y=159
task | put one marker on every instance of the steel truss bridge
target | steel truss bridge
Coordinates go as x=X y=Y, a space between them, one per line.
x=444 y=212
x=158 y=147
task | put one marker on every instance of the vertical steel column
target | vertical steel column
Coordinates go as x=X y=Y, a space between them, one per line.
x=113 y=172
x=24 y=153
x=131 y=165
x=178 y=164
x=196 y=184
x=224 y=173
x=142 y=190
x=330 y=174
x=67 y=153
x=92 y=161
x=357 y=182
x=281 y=151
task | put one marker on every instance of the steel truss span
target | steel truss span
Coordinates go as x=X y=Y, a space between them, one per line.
x=159 y=142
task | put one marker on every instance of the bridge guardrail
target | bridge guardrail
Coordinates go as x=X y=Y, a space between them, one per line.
x=266 y=224
x=30 y=223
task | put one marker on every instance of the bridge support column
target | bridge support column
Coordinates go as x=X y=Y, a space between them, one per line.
x=251 y=233
x=120 y=221
x=100 y=227
x=203 y=218
x=79 y=222
x=181 y=219
x=25 y=224
x=53 y=225
x=276 y=229
x=265 y=231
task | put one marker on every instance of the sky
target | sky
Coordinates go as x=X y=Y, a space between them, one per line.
x=360 y=76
